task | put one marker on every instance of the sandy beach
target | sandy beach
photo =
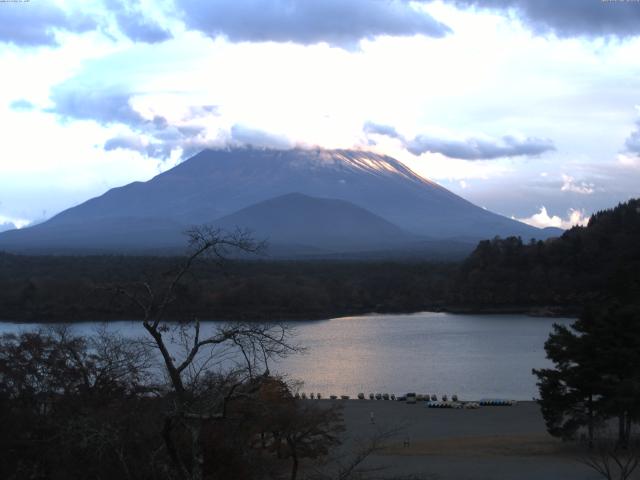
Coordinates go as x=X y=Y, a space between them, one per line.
x=487 y=443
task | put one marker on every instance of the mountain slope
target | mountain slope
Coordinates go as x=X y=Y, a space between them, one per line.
x=316 y=222
x=214 y=184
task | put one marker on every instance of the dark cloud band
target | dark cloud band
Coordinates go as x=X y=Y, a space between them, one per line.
x=35 y=23
x=569 y=18
x=30 y=24
x=468 y=149
x=336 y=22
x=480 y=149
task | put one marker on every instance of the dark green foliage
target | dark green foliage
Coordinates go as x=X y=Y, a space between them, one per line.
x=585 y=265
x=62 y=288
x=597 y=372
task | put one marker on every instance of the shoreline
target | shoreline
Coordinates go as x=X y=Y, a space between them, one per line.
x=543 y=311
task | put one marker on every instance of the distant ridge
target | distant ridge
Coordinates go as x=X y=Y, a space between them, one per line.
x=319 y=223
x=214 y=185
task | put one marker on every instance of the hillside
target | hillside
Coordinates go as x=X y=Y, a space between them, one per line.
x=298 y=221
x=588 y=264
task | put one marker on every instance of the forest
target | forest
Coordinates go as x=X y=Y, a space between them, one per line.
x=585 y=265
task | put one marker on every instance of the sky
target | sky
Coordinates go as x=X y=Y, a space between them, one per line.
x=530 y=108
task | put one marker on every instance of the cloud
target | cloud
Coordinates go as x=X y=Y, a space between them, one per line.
x=379 y=129
x=336 y=22
x=628 y=161
x=35 y=23
x=104 y=105
x=152 y=135
x=542 y=219
x=569 y=184
x=9 y=223
x=466 y=149
x=21 y=105
x=155 y=147
x=126 y=142
x=247 y=136
x=632 y=144
x=132 y=22
x=203 y=111
x=480 y=148
x=569 y=18
x=191 y=139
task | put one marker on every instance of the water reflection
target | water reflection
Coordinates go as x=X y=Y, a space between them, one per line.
x=472 y=355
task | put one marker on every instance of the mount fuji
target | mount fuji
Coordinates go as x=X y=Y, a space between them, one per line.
x=300 y=201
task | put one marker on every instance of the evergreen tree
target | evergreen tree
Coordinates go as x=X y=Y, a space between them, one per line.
x=596 y=375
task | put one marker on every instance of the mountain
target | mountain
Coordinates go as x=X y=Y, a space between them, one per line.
x=299 y=221
x=4 y=226
x=217 y=183
x=118 y=234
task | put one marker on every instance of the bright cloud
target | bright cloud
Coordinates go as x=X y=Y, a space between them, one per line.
x=629 y=161
x=569 y=184
x=9 y=223
x=542 y=219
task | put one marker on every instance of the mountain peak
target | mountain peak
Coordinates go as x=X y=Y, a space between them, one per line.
x=217 y=183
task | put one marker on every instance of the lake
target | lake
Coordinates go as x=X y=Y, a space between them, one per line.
x=474 y=356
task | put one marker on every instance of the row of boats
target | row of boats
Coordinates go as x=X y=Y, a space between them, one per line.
x=431 y=400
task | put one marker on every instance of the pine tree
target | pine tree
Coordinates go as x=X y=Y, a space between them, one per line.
x=596 y=374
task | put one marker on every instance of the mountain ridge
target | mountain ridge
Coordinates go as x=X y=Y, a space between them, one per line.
x=320 y=223
x=214 y=184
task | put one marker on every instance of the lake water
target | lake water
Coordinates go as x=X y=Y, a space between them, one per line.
x=474 y=356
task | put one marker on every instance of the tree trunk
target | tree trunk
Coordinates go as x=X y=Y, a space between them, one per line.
x=621 y=430
x=590 y=425
x=171 y=448
x=627 y=429
x=294 y=459
x=197 y=455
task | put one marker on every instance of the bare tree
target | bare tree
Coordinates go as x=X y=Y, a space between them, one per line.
x=611 y=460
x=68 y=404
x=350 y=466
x=238 y=353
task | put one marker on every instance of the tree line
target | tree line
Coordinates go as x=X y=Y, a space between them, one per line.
x=49 y=289
x=585 y=265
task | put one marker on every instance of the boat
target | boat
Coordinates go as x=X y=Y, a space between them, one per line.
x=496 y=402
